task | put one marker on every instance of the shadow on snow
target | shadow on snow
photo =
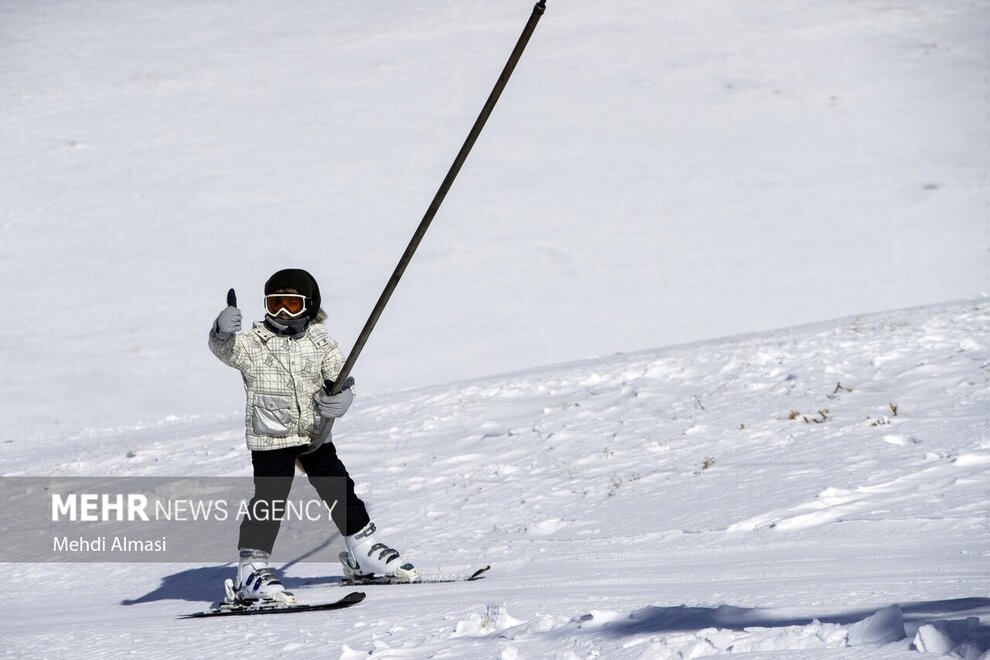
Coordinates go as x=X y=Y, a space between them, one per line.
x=206 y=583
x=656 y=619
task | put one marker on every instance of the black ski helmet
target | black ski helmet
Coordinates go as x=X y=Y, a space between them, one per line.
x=301 y=281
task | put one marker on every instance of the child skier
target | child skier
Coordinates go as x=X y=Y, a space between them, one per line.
x=284 y=361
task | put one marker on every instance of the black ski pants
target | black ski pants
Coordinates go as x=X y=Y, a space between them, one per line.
x=273 y=472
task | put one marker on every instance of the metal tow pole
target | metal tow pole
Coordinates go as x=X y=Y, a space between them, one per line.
x=424 y=224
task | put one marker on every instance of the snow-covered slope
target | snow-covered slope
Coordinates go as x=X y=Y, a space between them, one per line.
x=656 y=173
x=820 y=491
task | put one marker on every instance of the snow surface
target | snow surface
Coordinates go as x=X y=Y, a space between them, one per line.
x=679 y=502
x=655 y=174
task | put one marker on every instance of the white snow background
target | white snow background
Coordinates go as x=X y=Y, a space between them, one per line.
x=656 y=174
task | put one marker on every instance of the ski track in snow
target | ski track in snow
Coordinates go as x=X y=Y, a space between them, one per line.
x=670 y=503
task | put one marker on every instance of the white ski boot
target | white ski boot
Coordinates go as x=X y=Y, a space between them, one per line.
x=364 y=558
x=256 y=581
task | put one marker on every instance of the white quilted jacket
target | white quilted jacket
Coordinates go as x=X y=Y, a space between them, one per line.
x=281 y=377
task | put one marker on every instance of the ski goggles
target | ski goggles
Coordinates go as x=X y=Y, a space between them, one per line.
x=293 y=304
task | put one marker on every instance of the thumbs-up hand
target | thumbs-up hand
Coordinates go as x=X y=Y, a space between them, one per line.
x=229 y=320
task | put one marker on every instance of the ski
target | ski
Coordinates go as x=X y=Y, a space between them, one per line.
x=242 y=608
x=381 y=579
